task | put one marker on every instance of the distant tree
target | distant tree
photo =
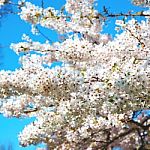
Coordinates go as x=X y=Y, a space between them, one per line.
x=10 y=146
x=6 y=147
x=1 y=54
x=2 y=147
x=5 y=9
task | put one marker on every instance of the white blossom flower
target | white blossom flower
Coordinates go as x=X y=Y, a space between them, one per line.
x=101 y=81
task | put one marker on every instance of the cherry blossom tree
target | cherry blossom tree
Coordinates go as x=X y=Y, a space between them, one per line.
x=93 y=100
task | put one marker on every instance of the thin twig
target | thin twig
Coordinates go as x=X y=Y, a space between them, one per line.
x=46 y=37
x=128 y=15
x=139 y=40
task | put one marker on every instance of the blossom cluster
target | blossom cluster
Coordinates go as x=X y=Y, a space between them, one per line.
x=88 y=101
x=85 y=21
x=2 y=2
x=142 y=2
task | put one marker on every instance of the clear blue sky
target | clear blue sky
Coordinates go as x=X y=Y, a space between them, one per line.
x=11 y=30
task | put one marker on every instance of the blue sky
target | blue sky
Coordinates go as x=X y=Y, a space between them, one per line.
x=11 y=30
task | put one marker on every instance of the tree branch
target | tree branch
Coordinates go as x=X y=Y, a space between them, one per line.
x=46 y=37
